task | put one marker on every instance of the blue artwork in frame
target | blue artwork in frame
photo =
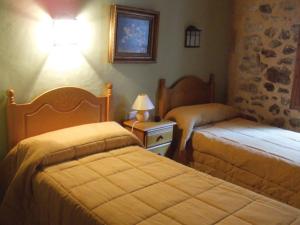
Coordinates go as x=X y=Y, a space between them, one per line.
x=133 y=35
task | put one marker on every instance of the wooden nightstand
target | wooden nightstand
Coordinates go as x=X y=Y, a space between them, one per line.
x=156 y=136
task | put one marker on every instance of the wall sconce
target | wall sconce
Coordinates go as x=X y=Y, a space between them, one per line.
x=65 y=32
x=192 y=37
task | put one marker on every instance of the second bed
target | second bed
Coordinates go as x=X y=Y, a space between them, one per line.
x=218 y=141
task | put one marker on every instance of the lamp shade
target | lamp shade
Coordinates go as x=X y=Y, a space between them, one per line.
x=142 y=102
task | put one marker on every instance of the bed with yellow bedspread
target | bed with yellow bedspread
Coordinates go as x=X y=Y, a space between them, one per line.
x=98 y=174
x=260 y=157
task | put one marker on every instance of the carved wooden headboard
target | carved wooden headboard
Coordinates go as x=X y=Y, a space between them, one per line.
x=53 y=110
x=188 y=90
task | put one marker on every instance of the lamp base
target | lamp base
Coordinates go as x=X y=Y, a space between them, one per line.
x=142 y=116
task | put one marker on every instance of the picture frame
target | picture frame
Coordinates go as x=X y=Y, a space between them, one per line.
x=133 y=35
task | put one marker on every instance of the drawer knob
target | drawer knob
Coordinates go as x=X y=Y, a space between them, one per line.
x=159 y=138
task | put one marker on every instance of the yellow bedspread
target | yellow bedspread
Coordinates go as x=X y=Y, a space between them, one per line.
x=260 y=157
x=33 y=154
x=113 y=184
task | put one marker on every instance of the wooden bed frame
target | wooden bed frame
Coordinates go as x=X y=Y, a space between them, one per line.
x=56 y=109
x=188 y=90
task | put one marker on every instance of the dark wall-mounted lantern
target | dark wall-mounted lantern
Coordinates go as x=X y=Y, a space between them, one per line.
x=192 y=37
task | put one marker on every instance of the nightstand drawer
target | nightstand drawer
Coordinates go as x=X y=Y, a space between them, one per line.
x=159 y=137
x=161 y=149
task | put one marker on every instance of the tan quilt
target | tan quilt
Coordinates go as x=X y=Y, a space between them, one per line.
x=101 y=181
x=260 y=157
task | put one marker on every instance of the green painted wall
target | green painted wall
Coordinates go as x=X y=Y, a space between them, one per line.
x=30 y=70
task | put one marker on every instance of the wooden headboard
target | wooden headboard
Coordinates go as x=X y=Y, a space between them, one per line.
x=188 y=90
x=56 y=109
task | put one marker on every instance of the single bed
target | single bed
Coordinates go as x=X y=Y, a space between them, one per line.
x=97 y=173
x=218 y=141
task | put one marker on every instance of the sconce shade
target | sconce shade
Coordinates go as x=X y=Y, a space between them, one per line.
x=65 y=32
x=142 y=103
x=192 y=37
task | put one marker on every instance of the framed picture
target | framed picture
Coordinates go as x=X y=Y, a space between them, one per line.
x=133 y=35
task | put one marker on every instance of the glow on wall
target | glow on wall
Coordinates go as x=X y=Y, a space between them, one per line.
x=65 y=32
x=64 y=40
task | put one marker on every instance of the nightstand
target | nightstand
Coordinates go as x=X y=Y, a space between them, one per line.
x=156 y=136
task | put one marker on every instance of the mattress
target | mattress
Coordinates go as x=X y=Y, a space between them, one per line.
x=110 y=180
x=260 y=157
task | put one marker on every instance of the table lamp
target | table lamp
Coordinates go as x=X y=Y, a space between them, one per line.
x=142 y=104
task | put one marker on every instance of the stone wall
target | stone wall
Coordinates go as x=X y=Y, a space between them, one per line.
x=262 y=61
